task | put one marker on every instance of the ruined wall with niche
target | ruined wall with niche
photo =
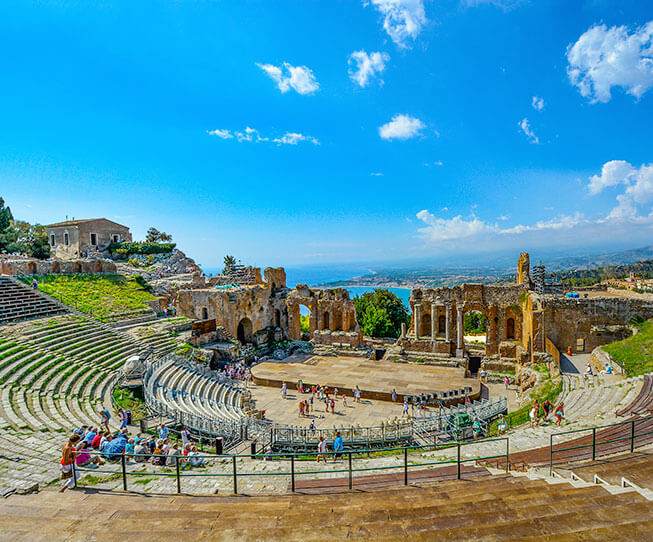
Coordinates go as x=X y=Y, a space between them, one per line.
x=438 y=316
x=17 y=265
x=261 y=308
x=585 y=324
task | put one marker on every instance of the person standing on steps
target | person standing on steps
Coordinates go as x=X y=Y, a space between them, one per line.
x=105 y=416
x=67 y=463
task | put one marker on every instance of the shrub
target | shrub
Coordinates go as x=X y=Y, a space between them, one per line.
x=141 y=248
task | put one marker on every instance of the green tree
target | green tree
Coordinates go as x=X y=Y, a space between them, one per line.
x=155 y=236
x=305 y=323
x=380 y=313
x=229 y=263
x=474 y=323
x=6 y=217
x=25 y=238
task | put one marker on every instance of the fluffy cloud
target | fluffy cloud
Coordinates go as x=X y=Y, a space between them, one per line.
x=363 y=66
x=442 y=229
x=252 y=135
x=604 y=57
x=537 y=103
x=287 y=76
x=525 y=126
x=401 y=127
x=403 y=20
x=638 y=193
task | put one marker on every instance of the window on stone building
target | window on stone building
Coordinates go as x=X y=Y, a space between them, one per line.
x=94 y=239
x=66 y=240
x=580 y=345
x=510 y=328
x=205 y=313
x=116 y=238
x=52 y=240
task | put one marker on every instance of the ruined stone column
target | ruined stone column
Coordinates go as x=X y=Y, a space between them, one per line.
x=460 y=339
x=434 y=321
x=447 y=322
x=417 y=317
x=403 y=330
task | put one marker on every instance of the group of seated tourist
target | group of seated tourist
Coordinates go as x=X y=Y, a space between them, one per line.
x=237 y=371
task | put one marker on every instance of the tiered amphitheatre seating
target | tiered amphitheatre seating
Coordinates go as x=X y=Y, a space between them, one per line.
x=643 y=404
x=54 y=375
x=496 y=508
x=184 y=387
x=20 y=302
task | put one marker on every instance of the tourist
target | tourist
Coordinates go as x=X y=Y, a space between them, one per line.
x=83 y=457
x=81 y=431
x=344 y=400
x=483 y=375
x=502 y=426
x=608 y=369
x=547 y=407
x=105 y=416
x=67 y=462
x=300 y=405
x=321 y=450
x=124 y=420
x=97 y=440
x=164 y=432
x=506 y=381
x=196 y=459
x=130 y=449
x=185 y=436
x=588 y=369
x=338 y=447
x=405 y=413
x=333 y=406
x=559 y=414
x=90 y=435
x=534 y=413
x=357 y=394
x=141 y=451
x=312 y=427
x=284 y=390
x=335 y=392
x=477 y=429
x=394 y=395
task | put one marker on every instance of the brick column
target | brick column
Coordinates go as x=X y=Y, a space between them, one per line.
x=417 y=318
x=434 y=321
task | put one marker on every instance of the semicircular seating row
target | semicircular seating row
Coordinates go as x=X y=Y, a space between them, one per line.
x=55 y=373
x=183 y=386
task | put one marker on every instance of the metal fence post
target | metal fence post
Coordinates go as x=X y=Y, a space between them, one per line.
x=458 y=460
x=235 y=475
x=551 y=455
x=507 y=455
x=593 y=443
x=351 y=481
x=178 y=476
x=124 y=471
x=632 y=436
x=74 y=470
x=405 y=465
x=292 y=473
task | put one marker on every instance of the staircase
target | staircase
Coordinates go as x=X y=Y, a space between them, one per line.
x=20 y=302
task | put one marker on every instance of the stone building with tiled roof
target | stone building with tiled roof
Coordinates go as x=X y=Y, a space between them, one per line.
x=78 y=238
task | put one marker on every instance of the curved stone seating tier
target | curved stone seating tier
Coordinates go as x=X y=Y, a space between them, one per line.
x=643 y=403
x=20 y=302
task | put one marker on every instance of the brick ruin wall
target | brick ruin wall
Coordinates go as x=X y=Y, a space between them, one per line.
x=596 y=321
x=32 y=266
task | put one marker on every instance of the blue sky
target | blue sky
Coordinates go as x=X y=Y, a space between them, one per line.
x=249 y=127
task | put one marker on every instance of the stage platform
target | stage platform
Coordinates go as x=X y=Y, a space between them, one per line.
x=376 y=379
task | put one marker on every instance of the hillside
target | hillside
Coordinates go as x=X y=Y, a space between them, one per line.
x=635 y=353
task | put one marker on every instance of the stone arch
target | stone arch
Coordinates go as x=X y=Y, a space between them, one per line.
x=56 y=267
x=77 y=267
x=326 y=320
x=97 y=266
x=31 y=268
x=510 y=329
x=244 y=332
x=205 y=313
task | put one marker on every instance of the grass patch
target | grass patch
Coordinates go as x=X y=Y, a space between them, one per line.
x=89 y=480
x=143 y=481
x=126 y=399
x=548 y=389
x=634 y=354
x=100 y=296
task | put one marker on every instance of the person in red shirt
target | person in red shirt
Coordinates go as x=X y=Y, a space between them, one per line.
x=67 y=462
x=95 y=443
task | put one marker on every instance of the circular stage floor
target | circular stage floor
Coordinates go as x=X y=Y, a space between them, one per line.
x=376 y=379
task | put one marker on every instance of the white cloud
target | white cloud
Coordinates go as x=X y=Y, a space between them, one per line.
x=538 y=103
x=287 y=76
x=252 y=135
x=638 y=191
x=401 y=127
x=376 y=174
x=503 y=218
x=403 y=20
x=525 y=127
x=449 y=229
x=363 y=66
x=504 y=5
x=604 y=57
x=292 y=138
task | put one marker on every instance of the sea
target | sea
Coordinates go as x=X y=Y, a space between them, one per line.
x=320 y=275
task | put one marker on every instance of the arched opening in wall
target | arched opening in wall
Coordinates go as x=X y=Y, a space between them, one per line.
x=244 y=331
x=442 y=324
x=205 y=313
x=305 y=324
x=475 y=329
x=326 y=320
x=510 y=329
x=337 y=320
x=97 y=266
x=77 y=267
x=425 y=326
x=277 y=318
x=31 y=268
x=56 y=267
